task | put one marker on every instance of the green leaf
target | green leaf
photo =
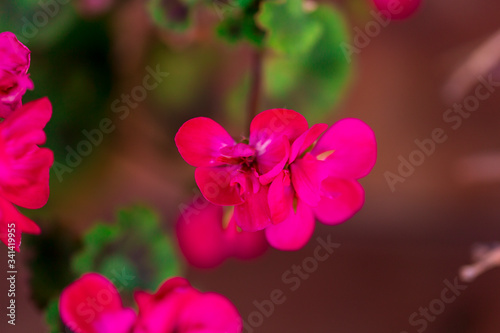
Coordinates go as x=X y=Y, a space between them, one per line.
x=133 y=252
x=290 y=29
x=238 y=22
x=308 y=73
x=52 y=316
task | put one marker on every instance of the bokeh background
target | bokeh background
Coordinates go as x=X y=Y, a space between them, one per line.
x=394 y=255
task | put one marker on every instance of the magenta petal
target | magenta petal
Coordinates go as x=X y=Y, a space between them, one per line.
x=353 y=149
x=209 y=313
x=294 y=232
x=13 y=222
x=253 y=214
x=201 y=236
x=200 y=140
x=307 y=175
x=146 y=301
x=163 y=313
x=27 y=123
x=116 y=322
x=14 y=54
x=217 y=185
x=276 y=123
x=272 y=159
x=341 y=199
x=84 y=303
x=306 y=140
x=24 y=175
x=280 y=197
x=244 y=244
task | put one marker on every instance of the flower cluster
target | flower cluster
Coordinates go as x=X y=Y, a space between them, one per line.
x=207 y=236
x=284 y=175
x=92 y=304
x=24 y=166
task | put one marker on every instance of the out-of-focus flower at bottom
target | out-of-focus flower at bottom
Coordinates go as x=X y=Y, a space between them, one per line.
x=92 y=304
x=208 y=235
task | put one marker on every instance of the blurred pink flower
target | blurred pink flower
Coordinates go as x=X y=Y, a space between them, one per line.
x=397 y=9
x=321 y=181
x=207 y=236
x=14 y=78
x=92 y=304
x=24 y=167
x=230 y=173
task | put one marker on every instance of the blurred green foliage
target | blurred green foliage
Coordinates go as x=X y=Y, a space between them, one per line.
x=69 y=63
x=134 y=252
x=238 y=21
x=307 y=70
x=52 y=252
x=172 y=14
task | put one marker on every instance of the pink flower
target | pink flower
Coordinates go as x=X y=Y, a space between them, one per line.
x=24 y=167
x=14 y=78
x=397 y=9
x=207 y=236
x=239 y=173
x=283 y=176
x=92 y=305
x=320 y=181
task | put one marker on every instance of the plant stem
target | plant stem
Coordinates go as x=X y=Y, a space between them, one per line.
x=255 y=85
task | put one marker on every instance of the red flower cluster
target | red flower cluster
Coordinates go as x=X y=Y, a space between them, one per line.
x=24 y=166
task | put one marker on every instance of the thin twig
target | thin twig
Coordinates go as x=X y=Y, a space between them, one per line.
x=255 y=85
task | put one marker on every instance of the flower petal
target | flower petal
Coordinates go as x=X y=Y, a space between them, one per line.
x=353 y=146
x=200 y=234
x=304 y=141
x=293 y=233
x=221 y=185
x=253 y=214
x=274 y=123
x=210 y=313
x=13 y=222
x=116 y=322
x=146 y=301
x=341 y=199
x=244 y=244
x=280 y=197
x=307 y=175
x=24 y=172
x=85 y=302
x=200 y=140
x=14 y=54
x=272 y=160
